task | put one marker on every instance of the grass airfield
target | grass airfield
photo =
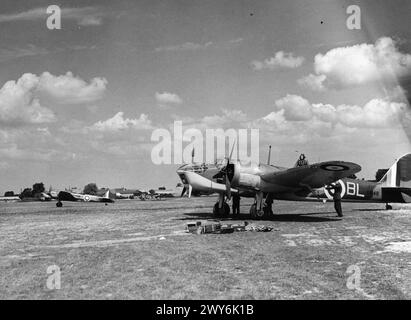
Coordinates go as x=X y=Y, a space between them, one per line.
x=138 y=250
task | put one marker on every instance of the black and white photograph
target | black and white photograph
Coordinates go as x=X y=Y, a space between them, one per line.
x=226 y=151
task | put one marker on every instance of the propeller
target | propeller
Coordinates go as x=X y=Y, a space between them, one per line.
x=228 y=167
x=223 y=173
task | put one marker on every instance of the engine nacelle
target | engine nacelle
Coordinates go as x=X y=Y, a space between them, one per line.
x=243 y=177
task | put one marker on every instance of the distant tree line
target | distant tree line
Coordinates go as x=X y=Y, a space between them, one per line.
x=91 y=189
x=35 y=191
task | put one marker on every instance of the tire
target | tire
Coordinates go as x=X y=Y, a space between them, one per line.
x=59 y=204
x=264 y=213
x=260 y=214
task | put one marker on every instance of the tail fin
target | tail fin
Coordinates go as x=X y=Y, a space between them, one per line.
x=399 y=175
x=107 y=195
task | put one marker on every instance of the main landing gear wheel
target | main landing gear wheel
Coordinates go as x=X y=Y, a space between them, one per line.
x=388 y=207
x=264 y=213
x=59 y=204
x=224 y=211
x=256 y=214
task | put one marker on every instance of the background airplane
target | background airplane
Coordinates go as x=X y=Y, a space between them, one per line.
x=73 y=197
x=10 y=199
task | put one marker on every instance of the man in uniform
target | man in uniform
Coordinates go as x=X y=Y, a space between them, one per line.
x=337 y=198
x=236 y=204
x=302 y=161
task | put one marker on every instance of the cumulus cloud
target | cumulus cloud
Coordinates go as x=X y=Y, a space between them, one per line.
x=313 y=82
x=119 y=123
x=19 y=104
x=295 y=107
x=70 y=89
x=281 y=59
x=188 y=46
x=229 y=117
x=20 y=100
x=165 y=99
x=377 y=113
x=359 y=64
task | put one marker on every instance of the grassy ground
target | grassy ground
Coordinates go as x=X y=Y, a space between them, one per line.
x=138 y=250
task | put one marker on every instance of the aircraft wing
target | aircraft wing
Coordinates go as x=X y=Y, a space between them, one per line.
x=313 y=176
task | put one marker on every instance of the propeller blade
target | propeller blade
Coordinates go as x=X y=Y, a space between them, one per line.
x=232 y=150
x=228 y=187
x=190 y=189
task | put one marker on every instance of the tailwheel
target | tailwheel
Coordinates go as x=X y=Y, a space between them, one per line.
x=388 y=207
x=59 y=204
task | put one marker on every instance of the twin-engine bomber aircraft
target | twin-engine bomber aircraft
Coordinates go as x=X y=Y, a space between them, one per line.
x=300 y=183
x=263 y=181
x=69 y=196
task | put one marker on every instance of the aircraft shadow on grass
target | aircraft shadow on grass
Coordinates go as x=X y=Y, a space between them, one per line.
x=300 y=217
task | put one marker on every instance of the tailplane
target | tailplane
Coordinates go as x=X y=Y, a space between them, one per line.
x=399 y=175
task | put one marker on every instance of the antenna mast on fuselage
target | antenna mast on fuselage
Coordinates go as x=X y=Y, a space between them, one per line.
x=269 y=155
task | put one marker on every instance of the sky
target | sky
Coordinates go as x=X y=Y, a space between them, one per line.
x=80 y=104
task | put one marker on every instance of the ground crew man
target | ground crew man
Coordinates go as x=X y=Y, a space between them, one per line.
x=236 y=203
x=302 y=161
x=337 y=198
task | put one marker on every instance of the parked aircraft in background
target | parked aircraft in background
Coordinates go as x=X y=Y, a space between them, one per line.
x=10 y=199
x=123 y=193
x=73 y=197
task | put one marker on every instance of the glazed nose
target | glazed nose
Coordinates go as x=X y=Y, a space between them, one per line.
x=184 y=168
